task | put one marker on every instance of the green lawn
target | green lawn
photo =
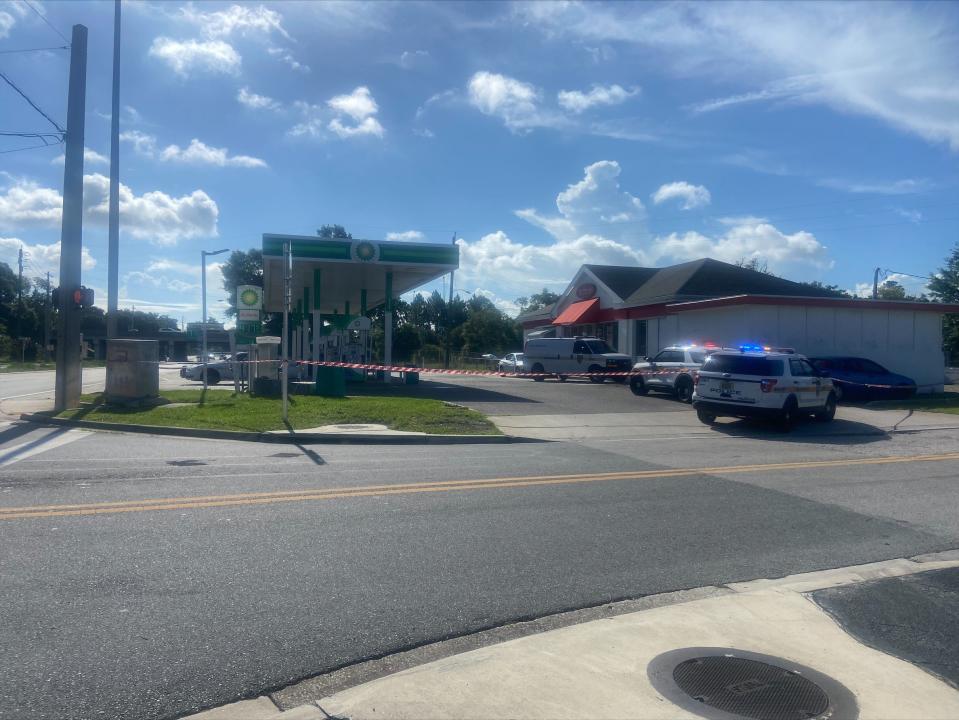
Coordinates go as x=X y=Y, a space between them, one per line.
x=222 y=411
x=945 y=402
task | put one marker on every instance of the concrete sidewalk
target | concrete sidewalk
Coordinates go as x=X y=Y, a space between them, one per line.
x=599 y=669
x=849 y=420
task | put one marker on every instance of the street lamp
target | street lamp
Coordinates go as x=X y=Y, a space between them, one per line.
x=203 y=256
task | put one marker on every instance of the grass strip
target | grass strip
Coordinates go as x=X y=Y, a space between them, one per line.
x=220 y=410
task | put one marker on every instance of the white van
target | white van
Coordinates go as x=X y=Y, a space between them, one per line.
x=567 y=356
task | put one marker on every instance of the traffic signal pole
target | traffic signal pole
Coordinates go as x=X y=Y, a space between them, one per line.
x=69 y=369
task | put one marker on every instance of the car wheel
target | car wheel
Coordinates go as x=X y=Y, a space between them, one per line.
x=594 y=378
x=684 y=390
x=537 y=370
x=787 y=417
x=838 y=392
x=828 y=411
x=212 y=377
x=706 y=418
x=562 y=378
x=638 y=386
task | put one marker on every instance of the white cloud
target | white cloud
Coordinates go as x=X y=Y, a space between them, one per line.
x=154 y=216
x=286 y=56
x=907 y=186
x=241 y=19
x=892 y=61
x=692 y=196
x=42 y=258
x=412 y=58
x=913 y=216
x=749 y=238
x=143 y=143
x=409 y=235
x=596 y=205
x=7 y=21
x=577 y=101
x=359 y=104
x=256 y=102
x=198 y=153
x=357 y=108
x=183 y=56
x=369 y=126
x=506 y=266
x=515 y=102
x=91 y=157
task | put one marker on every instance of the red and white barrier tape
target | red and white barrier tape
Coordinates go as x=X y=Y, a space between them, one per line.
x=501 y=373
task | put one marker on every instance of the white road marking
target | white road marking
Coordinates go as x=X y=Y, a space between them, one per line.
x=57 y=438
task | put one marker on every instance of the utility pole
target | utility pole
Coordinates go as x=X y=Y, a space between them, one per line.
x=875 y=284
x=46 y=321
x=113 y=249
x=69 y=368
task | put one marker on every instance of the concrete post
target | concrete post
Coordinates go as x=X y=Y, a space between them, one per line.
x=388 y=325
x=69 y=368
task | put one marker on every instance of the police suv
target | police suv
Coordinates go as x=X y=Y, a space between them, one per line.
x=671 y=370
x=762 y=382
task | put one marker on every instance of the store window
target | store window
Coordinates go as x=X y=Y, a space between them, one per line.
x=610 y=333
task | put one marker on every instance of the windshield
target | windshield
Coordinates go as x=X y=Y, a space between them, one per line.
x=598 y=347
x=744 y=365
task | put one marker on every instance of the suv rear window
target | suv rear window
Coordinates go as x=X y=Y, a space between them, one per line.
x=744 y=365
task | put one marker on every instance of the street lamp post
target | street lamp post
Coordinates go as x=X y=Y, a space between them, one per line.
x=203 y=256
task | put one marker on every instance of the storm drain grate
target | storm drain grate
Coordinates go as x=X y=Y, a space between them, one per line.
x=724 y=683
x=750 y=688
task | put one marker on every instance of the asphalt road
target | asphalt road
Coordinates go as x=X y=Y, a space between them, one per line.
x=281 y=562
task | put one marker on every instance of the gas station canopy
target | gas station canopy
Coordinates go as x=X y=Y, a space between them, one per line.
x=349 y=277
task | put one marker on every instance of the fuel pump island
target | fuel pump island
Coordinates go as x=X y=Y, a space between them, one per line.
x=329 y=286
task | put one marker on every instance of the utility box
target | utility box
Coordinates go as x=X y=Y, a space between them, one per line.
x=133 y=371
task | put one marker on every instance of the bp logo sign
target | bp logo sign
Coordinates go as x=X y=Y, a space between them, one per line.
x=365 y=251
x=249 y=297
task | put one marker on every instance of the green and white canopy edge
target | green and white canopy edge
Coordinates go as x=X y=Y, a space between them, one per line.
x=335 y=279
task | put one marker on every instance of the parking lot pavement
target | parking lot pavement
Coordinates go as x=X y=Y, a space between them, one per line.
x=503 y=396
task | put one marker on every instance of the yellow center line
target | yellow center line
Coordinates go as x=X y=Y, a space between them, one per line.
x=205 y=501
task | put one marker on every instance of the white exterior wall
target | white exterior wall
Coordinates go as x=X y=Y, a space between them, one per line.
x=905 y=341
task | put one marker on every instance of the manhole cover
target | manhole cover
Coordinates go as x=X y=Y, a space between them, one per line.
x=724 y=683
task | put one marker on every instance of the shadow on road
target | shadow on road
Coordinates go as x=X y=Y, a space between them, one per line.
x=438 y=390
x=838 y=432
x=15 y=431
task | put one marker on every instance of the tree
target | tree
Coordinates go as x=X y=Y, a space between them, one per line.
x=944 y=287
x=333 y=232
x=833 y=290
x=241 y=268
x=891 y=290
x=754 y=263
x=537 y=301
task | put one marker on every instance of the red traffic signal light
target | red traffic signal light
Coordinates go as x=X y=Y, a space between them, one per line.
x=83 y=297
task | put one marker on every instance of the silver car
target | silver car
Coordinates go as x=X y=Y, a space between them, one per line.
x=512 y=363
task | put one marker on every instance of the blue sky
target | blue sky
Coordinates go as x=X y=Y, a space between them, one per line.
x=821 y=138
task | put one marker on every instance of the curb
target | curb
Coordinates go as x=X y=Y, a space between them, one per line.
x=309 y=438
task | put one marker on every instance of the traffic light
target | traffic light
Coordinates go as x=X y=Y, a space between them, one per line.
x=82 y=297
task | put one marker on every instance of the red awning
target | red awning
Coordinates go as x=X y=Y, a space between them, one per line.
x=584 y=311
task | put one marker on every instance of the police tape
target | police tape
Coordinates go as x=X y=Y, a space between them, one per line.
x=688 y=372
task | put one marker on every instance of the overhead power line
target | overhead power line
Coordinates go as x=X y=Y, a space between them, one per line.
x=32 y=104
x=40 y=49
x=30 y=147
x=49 y=24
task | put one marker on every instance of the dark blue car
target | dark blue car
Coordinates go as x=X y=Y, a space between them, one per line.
x=861 y=379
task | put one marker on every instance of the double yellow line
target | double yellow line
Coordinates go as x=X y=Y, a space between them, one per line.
x=281 y=496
